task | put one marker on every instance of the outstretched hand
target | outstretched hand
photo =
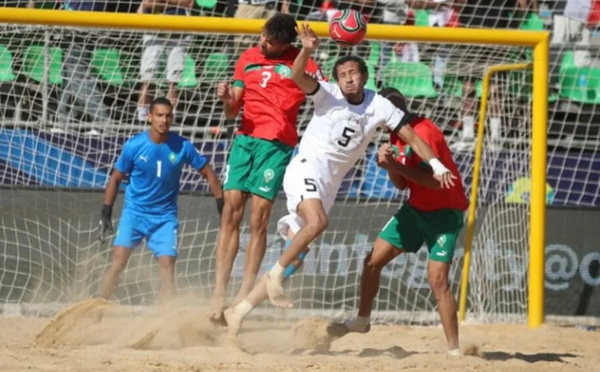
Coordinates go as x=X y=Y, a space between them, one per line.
x=446 y=179
x=309 y=39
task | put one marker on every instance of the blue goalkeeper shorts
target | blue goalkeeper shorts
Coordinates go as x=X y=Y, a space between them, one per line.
x=160 y=232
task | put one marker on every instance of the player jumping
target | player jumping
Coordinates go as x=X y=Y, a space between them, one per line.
x=344 y=122
x=433 y=215
x=261 y=150
x=154 y=160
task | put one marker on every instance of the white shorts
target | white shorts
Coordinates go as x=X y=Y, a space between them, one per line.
x=154 y=47
x=302 y=181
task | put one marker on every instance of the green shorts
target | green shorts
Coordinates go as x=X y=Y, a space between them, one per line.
x=409 y=228
x=256 y=166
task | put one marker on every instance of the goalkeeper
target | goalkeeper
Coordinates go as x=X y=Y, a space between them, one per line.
x=154 y=160
x=433 y=215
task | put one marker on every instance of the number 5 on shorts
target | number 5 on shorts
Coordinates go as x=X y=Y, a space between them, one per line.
x=311 y=185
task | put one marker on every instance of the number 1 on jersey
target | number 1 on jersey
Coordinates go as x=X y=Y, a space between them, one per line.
x=266 y=77
x=158 y=168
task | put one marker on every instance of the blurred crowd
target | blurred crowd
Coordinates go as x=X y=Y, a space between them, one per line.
x=573 y=24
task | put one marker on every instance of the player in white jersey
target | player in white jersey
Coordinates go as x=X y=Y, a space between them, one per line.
x=344 y=122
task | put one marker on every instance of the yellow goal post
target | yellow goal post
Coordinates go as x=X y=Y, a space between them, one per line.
x=537 y=40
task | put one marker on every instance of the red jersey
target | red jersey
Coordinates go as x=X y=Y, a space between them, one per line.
x=271 y=98
x=423 y=198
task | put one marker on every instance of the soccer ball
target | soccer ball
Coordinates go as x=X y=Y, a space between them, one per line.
x=347 y=27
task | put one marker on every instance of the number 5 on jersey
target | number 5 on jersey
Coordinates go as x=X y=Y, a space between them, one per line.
x=347 y=135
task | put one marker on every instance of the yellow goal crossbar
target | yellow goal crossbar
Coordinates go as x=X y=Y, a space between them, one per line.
x=537 y=40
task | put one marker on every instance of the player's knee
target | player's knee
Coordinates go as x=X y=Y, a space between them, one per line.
x=258 y=222
x=317 y=224
x=119 y=261
x=232 y=214
x=166 y=263
x=438 y=281
x=119 y=265
x=370 y=266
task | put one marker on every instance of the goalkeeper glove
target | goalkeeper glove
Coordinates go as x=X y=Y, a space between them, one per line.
x=220 y=204
x=105 y=223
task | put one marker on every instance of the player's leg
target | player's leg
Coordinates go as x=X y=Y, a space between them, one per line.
x=441 y=229
x=163 y=243
x=235 y=315
x=166 y=265
x=260 y=213
x=382 y=253
x=399 y=234
x=315 y=222
x=235 y=195
x=266 y=178
x=287 y=227
x=118 y=263
x=437 y=274
x=227 y=246
x=129 y=234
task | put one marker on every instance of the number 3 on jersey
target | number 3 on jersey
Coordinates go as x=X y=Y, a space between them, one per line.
x=266 y=77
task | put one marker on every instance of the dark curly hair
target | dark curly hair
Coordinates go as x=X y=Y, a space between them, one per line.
x=282 y=28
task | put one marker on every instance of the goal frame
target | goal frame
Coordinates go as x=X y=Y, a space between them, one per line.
x=538 y=40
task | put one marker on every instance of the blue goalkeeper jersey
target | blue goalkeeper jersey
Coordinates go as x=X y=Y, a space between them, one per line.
x=155 y=171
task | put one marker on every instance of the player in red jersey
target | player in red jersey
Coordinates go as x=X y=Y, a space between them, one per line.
x=262 y=148
x=433 y=215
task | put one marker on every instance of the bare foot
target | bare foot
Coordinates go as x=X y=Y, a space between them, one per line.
x=341 y=329
x=232 y=342
x=276 y=293
x=234 y=322
x=216 y=312
x=455 y=353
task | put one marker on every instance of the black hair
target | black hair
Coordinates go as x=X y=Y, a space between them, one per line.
x=160 y=101
x=362 y=66
x=395 y=97
x=282 y=28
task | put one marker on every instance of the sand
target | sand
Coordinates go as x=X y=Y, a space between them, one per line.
x=101 y=336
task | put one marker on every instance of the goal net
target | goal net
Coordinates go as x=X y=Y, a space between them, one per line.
x=69 y=102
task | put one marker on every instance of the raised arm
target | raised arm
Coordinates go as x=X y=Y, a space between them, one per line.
x=310 y=42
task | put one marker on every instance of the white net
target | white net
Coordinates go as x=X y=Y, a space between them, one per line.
x=69 y=102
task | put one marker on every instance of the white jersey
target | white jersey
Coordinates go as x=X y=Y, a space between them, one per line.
x=336 y=137
x=339 y=132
